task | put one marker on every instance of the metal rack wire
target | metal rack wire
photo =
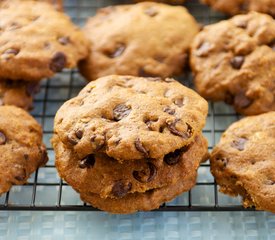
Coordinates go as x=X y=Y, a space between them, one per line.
x=46 y=191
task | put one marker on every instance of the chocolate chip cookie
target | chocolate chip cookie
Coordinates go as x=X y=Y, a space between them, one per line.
x=243 y=162
x=131 y=118
x=97 y=173
x=36 y=41
x=233 y=7
x=144 y=39
x=21 y=147
x=234 y=61
x=18 y=93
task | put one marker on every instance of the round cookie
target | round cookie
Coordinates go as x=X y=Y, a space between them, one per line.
x=233 y=7
x=152 y=198
x=144 y=39
x=234 y=61
x=108 y=178
x=18 y=93
x=54 y=42
x=131 y=118
x=243 y=162
x=21 y=147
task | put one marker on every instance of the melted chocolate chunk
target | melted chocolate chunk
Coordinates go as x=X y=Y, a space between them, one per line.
x=241 y=101
x=140 y=148
x=121 y=111
x=79 y=133
x=173 y=158
x=237 y=62
x=144 y=176
x=3 y=138
x=172 y=128
x=169 y=110
x=58 y=62
x=87 y=162
x=120 y=189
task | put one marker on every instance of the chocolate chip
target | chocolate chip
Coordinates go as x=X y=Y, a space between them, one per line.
x=237 y=62
x=203 y=49
x=151 y=11
x=140 y=148
x=172 y=128
x=272 y=45
x=58 y=62
x=144 y=176
x=120 y=189
x=64 y=40
x=241 y=101
x=21 y=176
x=11 y=51
x=32 y=88
x=169 y=110
x=3 y=138
x=239 y=143
x=118 y=51
x=121 y=111
x=229 y=98
x=79 y=133
x=87 y=162
x=179 y=102
x=173 y=158
x=72 y=139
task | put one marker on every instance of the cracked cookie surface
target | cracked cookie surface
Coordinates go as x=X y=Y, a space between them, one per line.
x=234 y=61
x=131 y=118
x=243 y=162
x=99 y=174
x=53 y=41
x=21 y=147
x=144 y=39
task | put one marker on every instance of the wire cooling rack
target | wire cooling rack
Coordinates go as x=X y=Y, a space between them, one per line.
x=46 y=191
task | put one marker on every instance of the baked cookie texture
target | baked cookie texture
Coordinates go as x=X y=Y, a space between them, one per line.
x=243 y=162
x=144 y=39
x=54 y=42
x=137 y=185
x=21 y=147
x=131 y=117
x=18 y=93
x=234 y=7
x=234 y=61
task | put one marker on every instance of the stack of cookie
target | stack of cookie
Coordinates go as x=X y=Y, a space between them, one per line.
x=36 y=41
x=129 y=143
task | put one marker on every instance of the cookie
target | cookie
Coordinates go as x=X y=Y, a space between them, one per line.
x=243 y=162
x=58 y=4
x=150 y=199
x=233 y=7
x=131 y=118
x=102 y=175
x=136 y=40
x=234 y=61
x=53 y=42
x=18 y=93
x=21 y=147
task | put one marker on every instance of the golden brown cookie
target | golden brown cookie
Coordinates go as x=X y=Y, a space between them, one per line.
x=145 y=39
x=234 y=61
x=18 y=93
x=36 y=41
x=21 y=147
x=243 y=162
x=233 y=7
x=131 y=118
x=108 y=178
x=153 y=198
